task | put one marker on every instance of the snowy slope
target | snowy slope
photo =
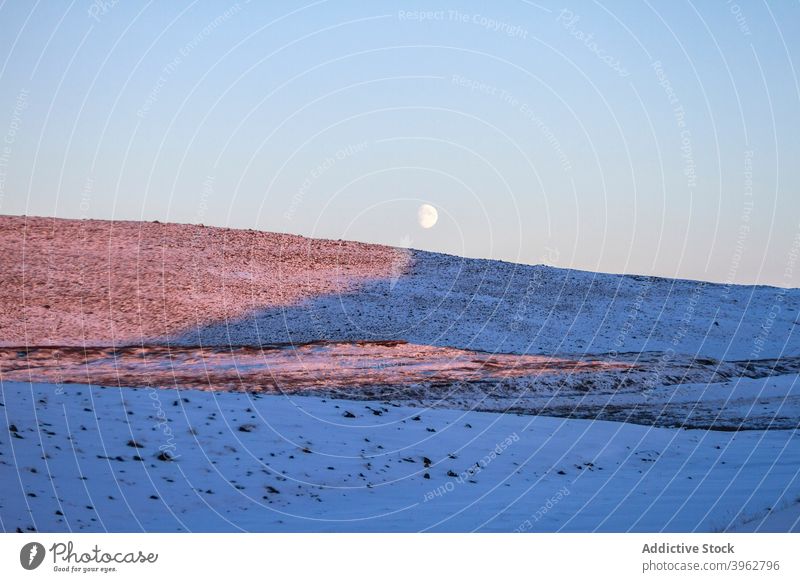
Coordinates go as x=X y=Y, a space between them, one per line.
x=408 y=449
x=68 y=462
x=504 y=307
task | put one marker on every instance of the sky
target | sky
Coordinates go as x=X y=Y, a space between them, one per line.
x=657 y=138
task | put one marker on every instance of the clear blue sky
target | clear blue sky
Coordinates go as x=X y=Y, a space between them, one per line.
x=656 y=138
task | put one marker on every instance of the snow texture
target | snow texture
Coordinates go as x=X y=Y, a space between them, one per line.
x=503 y=307
x=79 y=458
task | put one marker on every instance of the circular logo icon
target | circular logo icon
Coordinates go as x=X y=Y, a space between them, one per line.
x=31 y=555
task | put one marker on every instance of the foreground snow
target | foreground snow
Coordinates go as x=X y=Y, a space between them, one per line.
x=272 y=463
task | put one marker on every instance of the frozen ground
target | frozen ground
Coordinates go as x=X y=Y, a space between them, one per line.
x=644 y=388
x=350 y=387
x=79 y=458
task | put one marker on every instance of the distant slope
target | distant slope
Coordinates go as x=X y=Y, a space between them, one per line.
x=103 y=283
x=504 y=307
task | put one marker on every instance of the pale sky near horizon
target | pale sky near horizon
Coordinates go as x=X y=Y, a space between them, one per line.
x=655 y=138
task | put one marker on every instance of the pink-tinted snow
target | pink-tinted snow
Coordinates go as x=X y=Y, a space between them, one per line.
x=103 y=283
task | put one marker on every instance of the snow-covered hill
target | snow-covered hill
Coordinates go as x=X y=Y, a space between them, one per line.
x=504 y=307
x=380 y=389
x=106 y=283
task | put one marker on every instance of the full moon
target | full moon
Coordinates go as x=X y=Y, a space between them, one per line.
x=427 y=216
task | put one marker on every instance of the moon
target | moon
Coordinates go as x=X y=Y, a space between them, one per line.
x=427 y=216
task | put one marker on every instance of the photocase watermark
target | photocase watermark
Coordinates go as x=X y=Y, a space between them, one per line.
x=86 y=197
x=31 y=555
x=791 y=261
x=487 y=22
x=473 y=470
x=400 y=262
x=527 y=112
x=654 y=376
x=687 y=153
x=205 y=195
x=167 y=449
x=765 y=330
x=766 y=326
x=65 y=558
x=569 y=20
x=744 y=223
x=169 y=69
x=629 y=324
x=521 y=312
x=688 y=313
x=95 y=560
x=58 y=385
x=550 y=255
x=551 y=502
x=318 y=171
x=99 y=8
x=199 y=271
x=20 y=105
x=738 y=15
